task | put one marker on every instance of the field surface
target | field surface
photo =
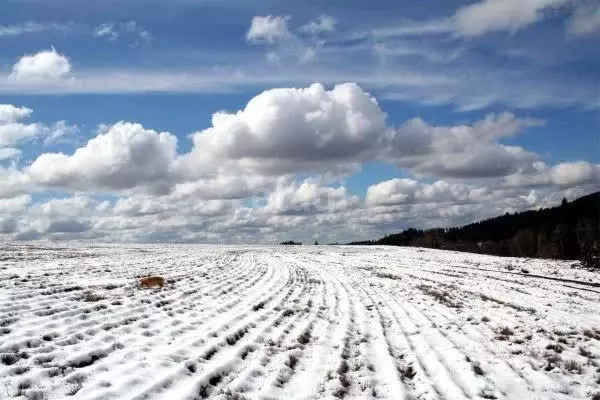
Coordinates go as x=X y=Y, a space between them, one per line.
x=307 y=322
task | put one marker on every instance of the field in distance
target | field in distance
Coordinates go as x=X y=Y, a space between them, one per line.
x=293 y=322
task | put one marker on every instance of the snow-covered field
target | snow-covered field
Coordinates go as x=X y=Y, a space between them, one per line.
x=294 y=323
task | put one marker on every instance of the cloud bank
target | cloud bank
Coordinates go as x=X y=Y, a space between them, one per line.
x=276 y=169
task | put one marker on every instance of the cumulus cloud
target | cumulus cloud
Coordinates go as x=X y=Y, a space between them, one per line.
x=60 y=218
x=47 y=65
x=14 y=204
x=13 y=182
x=269 y=29
x=563 y=175
x=9 y=153
x=10 y=113
x=409 y=191
x=123 y=157
x=10 y=209
x=245 y=178
x=226 y=186
x=140 y=206
x=309 y=197
x=163 y=218
x=286 y=130
x=483 y=162
x=282 y=132
x=575 y=173
x=467 y=151
x=13 y=131
x=501 y=15
x=402 y=203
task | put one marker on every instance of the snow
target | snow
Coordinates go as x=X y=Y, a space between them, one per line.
x=293 y=322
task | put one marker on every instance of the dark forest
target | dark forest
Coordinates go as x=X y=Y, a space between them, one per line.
x=569 y=231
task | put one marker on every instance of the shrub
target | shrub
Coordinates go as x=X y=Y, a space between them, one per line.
x=90 y=296
x=477 y=369
x=573 y=366
x=585 y=352
x=506 y=331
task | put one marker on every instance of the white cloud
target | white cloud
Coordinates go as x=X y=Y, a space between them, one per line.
x=410 y=29
x=10 y=210
x=286 y=130
x=58 y=131
x=10 y=113
x=13 y=131
x=575 y=173
x=135 y=206
x=268 y=29
x=300 y=47
x=585 y=20
x=403 y=49
x=226 y=185
x=123 y=157
x=20 y=29
x=47 y=65
x=391 y=192
x=309 y=198
x=106 y=30
x=485 y=16
x=466 y=151
x=408 y=191
x=281 y=132
x=323 y=24
x=273 y=58
x=501 y=15
x=61 y=218
x=15 y=204
x=245 y=178
x=563 y=175
x=465 y=88
x=144 y=206
x=129 y=30
x=401 y=203
x=13 y=182
x=133 y=27
x=31 y=27
x=8 y=153
x=307 y=55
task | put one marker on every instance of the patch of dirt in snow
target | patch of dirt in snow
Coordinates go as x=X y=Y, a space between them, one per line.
x=293 y=323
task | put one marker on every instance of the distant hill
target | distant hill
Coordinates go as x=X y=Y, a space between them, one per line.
x=568 y=231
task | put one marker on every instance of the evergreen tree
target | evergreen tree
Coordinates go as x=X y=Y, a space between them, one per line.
x=569 y=231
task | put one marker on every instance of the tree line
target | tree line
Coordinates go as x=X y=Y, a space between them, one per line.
x=568 y=231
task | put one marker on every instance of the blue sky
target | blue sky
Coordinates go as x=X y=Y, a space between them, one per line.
x=447 y=112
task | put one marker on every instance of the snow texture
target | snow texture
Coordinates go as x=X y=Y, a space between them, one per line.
x=293 y=322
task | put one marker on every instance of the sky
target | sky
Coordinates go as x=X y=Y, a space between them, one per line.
x=203 y=121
